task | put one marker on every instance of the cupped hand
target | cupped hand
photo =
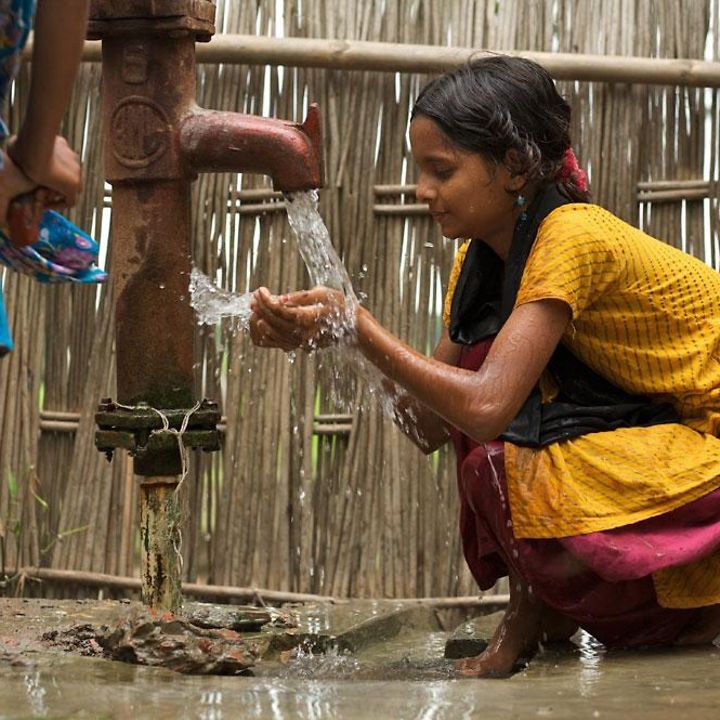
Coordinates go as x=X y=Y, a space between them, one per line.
x=61 y=172
x=307 y=319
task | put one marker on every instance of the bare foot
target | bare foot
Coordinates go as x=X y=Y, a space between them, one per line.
x=704 y=630
x=501 y=657
x=527 y=622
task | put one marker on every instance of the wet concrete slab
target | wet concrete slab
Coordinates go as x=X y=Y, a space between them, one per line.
x=401 y=674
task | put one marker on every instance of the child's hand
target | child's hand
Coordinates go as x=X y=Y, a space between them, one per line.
x=13 y=182
x=61 y=172
x=307 y=319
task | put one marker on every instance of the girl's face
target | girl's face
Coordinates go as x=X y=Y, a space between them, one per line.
x=468 y=196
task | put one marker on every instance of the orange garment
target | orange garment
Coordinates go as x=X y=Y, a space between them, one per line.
x=647 y=317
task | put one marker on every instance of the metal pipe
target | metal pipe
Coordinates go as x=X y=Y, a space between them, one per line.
x=156 y=141
x=160 y=542
x=215 y=141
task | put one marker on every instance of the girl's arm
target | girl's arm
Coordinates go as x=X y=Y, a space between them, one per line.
x=479 y=403
x=270 y=328
x=59 y=34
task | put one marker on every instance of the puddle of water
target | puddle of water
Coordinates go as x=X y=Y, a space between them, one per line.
x=403 y=677
x=643 y=686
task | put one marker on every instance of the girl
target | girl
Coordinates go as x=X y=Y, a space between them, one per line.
x=578 y=377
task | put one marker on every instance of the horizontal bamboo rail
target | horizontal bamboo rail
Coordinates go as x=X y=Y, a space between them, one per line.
x=406 y=209
x=119 y=582
x=57 y=421
x=397 y=57
x=658 y=196
x=228 y=592
x=658 y=191
x=385 y=190
x=674 y=185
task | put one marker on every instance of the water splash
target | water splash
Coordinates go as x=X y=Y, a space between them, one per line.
x=330 y=663
x=325 y=268
x=211 y=303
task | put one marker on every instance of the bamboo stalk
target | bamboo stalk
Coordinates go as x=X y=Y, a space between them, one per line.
x=657 y=196
x=326 y=424
x=230 y=592
x=261 y=208
x=407 y=209
x=61 y=415
x=397 y=57
x=674 y=185
x=384 y=190
x=58 y=426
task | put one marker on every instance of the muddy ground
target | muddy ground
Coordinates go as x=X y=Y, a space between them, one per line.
x=352 y=662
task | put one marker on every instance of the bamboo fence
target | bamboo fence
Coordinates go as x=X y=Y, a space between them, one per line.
x=314 y=490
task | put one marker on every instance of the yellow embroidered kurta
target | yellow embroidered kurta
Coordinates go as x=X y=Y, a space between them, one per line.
x=647 y=317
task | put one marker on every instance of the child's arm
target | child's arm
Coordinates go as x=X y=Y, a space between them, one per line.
x=60 y=27
x=13 y=182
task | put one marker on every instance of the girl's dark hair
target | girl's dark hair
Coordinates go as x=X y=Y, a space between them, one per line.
x=500 y=103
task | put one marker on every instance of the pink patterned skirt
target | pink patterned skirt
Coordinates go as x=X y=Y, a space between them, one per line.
x=602 y=579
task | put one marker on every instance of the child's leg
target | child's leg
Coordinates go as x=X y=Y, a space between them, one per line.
x=527 y=622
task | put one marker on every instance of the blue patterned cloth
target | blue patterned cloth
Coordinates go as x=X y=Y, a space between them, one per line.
x=16 y=18
x=63 y=252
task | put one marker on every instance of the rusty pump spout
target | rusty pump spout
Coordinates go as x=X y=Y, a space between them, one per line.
x=214 y=141
x=156 y=141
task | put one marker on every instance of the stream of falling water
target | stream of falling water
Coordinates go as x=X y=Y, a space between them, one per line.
x=212 y=303
x=324 y=266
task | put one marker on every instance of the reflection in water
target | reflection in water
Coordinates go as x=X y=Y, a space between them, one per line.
x=440 y=706
x=591 y=656
x=275 y=695
x=312 y=701
x=36 y=694
x=316 y=621
x=211 y=705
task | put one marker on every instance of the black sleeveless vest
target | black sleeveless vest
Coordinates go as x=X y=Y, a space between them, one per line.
x=587 y=402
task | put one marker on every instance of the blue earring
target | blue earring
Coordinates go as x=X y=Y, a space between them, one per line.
x=520 y=201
